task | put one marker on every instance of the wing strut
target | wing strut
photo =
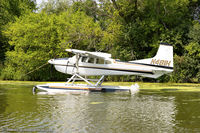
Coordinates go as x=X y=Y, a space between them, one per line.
x=77 y=63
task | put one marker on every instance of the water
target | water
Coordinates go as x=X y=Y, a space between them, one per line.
x=146 y=111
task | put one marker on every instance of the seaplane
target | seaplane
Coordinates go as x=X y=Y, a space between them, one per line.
x=85 y=63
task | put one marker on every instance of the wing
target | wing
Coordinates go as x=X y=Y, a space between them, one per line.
x=90 y=54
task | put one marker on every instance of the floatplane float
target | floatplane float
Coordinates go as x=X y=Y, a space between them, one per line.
x=85 y=63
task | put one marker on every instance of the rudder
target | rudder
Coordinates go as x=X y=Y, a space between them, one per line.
x=164 y=56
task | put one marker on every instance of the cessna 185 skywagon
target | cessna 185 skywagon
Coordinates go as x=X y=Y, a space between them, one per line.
x=85 y=63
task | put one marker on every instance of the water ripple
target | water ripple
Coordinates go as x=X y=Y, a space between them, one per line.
x=96 y=112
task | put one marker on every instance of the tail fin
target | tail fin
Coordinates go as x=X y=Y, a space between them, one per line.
x=164 y=57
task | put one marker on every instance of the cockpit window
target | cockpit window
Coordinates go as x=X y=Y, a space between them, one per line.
x=107 y=62
x=84 y=59
x=91 y=60
x=94 y=60
x=99 y=61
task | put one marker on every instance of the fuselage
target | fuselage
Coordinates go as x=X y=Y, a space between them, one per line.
x=90 y=66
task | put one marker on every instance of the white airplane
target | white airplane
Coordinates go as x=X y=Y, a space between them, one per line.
x=97 y=63
x=85 y=63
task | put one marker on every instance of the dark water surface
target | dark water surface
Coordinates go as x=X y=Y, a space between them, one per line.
x=144 y=112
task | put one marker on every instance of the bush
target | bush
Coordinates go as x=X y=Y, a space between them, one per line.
x=185 y=69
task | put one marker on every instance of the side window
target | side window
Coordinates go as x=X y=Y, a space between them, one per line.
x=107 y=62
x=99 y=61
x=91 y=60
x=84 y=59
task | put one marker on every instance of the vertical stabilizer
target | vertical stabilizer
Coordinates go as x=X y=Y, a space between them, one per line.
x=164 y=57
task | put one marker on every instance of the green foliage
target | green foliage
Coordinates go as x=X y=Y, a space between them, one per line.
x=79 y=30
x=184 y=69
x=9 y=11
x=193 y=48
x=36 y=38
x=54 y=6
x=89 y=7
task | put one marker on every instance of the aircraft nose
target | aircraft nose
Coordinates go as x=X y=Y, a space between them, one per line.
x=51 y=61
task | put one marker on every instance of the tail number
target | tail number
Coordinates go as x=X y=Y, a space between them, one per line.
x=160 y=62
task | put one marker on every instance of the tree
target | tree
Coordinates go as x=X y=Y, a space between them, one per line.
x=38 y=37
x=193 y=48
x=54 y=6
x=9 y=11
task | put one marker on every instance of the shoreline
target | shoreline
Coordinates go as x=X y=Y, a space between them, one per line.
x=143 y=85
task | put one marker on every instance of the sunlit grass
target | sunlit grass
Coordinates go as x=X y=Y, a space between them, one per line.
x=143 y=86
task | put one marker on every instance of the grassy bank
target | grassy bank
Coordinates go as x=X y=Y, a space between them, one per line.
x=143 y=86
x=161 y=86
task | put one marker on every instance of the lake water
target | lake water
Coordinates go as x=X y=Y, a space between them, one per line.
x=145 y=112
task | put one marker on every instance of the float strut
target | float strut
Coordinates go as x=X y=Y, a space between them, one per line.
x=71 y=78
x=100 y=81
